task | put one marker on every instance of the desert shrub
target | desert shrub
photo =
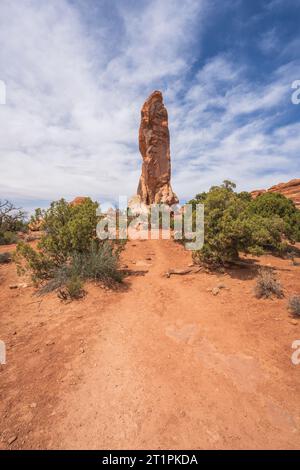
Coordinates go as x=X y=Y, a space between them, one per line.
x=100 y=263
x=235 y=223
x=69 y=250
x=267 y=285
x=291 y=255
x=38 y=263
x=294 y=305
x=73 y=289
x=8 y=238
x=68 y=229
x=12 y=221
x=231 y=227
x=5 y=258
x=276 y=205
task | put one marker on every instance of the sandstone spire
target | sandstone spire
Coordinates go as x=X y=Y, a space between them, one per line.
x=154 y=144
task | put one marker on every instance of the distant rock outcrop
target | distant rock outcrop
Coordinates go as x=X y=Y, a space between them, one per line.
x=290 y=190
x=78 y=200
x=154 y=144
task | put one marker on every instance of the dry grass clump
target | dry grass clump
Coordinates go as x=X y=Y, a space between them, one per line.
x=267 y=285
x=73 y=289
x=100 y=263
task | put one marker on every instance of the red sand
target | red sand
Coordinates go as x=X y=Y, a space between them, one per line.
x=161 y=364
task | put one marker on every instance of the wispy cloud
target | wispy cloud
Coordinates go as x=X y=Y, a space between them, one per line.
x=230 y=129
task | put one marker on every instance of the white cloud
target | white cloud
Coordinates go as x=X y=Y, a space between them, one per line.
x=71 y=121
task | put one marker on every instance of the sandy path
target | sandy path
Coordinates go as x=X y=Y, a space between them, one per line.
x=174 y=367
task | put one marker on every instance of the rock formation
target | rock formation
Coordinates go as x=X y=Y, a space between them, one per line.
x=78 y=200
x=290 y=190
x=154 y=143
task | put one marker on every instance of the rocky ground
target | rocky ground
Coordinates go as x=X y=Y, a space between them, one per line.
x=165 y=362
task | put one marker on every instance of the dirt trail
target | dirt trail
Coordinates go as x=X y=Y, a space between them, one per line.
x=165 y=364
x=170 y=371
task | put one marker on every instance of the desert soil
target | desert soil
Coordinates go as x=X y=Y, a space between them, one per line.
x=162 y=363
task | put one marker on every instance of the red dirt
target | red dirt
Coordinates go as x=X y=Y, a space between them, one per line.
x=161 y=364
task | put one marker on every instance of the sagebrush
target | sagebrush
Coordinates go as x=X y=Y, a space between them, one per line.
x=12 y=221
x=72 y=290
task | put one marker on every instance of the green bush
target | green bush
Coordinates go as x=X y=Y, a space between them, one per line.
x=99 y=263
x=39 y=264
x=69 y=250
x=267 y=285
x=270 y=205
x=68 y=229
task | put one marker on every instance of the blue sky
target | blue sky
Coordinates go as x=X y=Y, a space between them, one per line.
x=78 y=71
